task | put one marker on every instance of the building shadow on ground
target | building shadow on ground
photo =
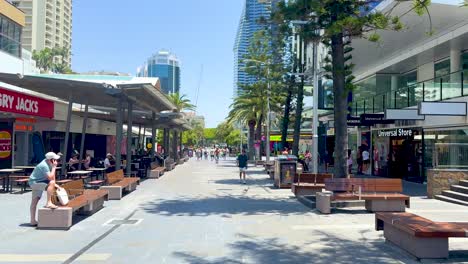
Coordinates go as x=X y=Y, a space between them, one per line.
x=327 y=248
x=224 y=205
x=250 y=181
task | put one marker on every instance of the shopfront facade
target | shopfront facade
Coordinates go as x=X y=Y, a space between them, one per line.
x=398 y=153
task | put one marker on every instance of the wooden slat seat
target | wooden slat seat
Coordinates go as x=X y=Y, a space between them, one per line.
x=76 y=203
x=97 y=182
x=419 y=236
x=378 y=194
x=19 y=180
x=117 y=183
x=309 y=183
x=156 y=170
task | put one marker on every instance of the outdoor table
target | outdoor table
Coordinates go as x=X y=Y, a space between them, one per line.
x=27 y=169
x=99 y=171
x=80 y=173
x=5 y=174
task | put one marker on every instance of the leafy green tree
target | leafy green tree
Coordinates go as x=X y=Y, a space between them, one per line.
x=340 y=22
x=210 y=136
x=181 y=102
x=195 y=136
x=55 y=60
x=250 y=106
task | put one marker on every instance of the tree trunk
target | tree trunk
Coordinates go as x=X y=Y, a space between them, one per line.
x=340 y=106
x=299 y=107
x=258 y=134
x=251 y=138
x=287 y=110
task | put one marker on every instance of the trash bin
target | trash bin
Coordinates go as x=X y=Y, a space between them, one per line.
x=285 y=170
x=323 y=201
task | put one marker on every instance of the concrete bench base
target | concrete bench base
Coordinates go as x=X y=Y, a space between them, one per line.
x=154 y=174
x=323 y=202
x=131 y=187
x=385 y=205
x=420 y=247
x=93 y=207
x=170 y=167
x=115 y=192
x=60 y=218
x=305 y=190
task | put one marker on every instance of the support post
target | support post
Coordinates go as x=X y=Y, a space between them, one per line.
x=83 y=135
x=153 y=135
x=181 y=145
x=174 y=146
x=119 y=132
x=67 y=134
x=139 y=136
x=129 y=136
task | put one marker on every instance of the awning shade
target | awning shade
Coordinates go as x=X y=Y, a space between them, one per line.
x=95 y=93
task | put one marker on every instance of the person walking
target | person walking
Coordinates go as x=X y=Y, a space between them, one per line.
x=242 y=163
x=365 y=160
x=42 y=179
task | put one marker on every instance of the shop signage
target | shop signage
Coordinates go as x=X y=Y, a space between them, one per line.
x=372 y=119
x=5 y=144
x=354 y=120
x=14 y=102
x=399 y=132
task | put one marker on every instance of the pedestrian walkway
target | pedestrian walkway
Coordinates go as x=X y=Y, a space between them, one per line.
x=200 y=213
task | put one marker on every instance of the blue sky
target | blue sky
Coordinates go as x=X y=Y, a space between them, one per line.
x=119 y=35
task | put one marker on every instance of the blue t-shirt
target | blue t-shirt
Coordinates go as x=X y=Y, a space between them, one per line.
x=243 y=158
x=40 y=173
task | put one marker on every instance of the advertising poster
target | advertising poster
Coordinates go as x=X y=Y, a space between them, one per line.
x=6 y=144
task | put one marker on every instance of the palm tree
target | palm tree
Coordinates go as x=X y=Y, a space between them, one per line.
x=181 y=102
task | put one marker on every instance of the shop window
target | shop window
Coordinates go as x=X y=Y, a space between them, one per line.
x=442 y=68
x=465 y=61
x=446 y=149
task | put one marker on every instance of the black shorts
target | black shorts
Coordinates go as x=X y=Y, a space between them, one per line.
x=366 y=161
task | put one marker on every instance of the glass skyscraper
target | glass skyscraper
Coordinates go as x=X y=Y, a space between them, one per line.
x=166 y=67
x=252 y=12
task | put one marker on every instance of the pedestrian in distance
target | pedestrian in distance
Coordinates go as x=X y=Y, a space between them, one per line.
x=43 y=179
x=242 y=163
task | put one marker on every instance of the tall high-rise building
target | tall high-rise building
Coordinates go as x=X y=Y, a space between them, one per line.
x=166 y=67
x=252 y=12
x=48 y=24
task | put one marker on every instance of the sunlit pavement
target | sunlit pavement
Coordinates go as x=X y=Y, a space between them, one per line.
x=200 y=213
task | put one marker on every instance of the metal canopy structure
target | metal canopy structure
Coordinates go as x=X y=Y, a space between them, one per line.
x=142 y=94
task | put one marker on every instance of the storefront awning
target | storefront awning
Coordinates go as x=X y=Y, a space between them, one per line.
x=97 y=92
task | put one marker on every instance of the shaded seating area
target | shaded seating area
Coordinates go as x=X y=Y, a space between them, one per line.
x=156 y=171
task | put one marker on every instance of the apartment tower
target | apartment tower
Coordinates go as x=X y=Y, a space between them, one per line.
x=48 y=24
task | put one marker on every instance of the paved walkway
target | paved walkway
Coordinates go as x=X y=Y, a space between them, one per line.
x=199 y=213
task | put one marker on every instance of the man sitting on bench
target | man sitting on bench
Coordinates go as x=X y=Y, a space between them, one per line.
x=43 y=178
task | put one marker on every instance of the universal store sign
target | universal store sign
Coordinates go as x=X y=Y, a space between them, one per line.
x=399 y=132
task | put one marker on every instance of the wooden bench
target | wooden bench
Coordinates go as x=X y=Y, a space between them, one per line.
x=19 y=180
x=81 y=201
x=156 y=171
x=380 y=195
x=117 y=184
x=309 y=183
x=419 y=236
x=169 y=164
